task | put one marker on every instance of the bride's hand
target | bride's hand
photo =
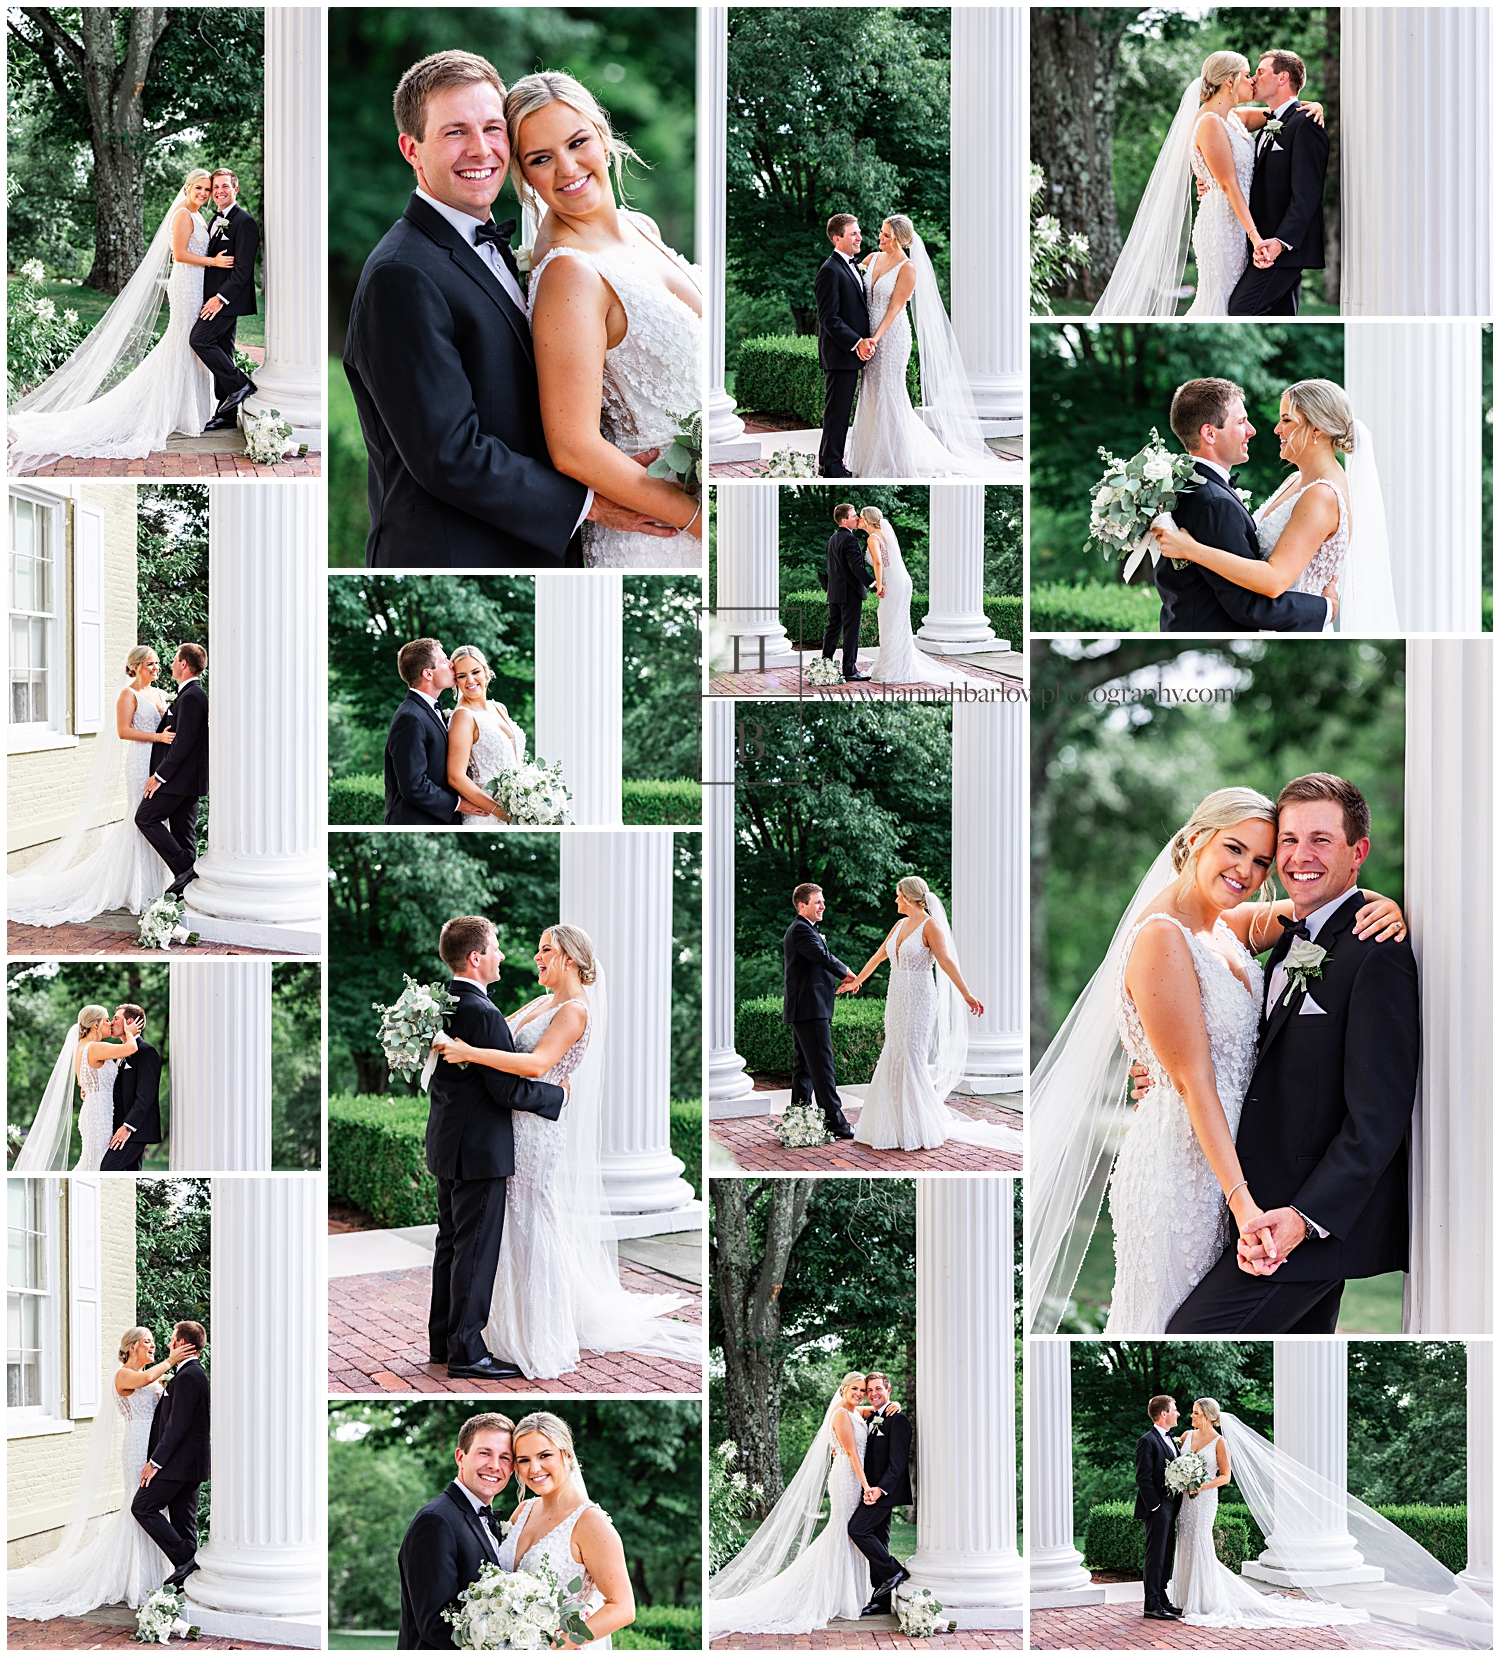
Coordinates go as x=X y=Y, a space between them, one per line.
x=224 y=261
x=452 y=1049
x=1381 y=919
x=166 y=737
x=1316 y=111
x=1176 y=543
x=975 y=1005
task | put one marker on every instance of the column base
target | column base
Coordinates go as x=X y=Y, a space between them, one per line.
x=297 y=399
x=690 y=1217
x=1479 y=1582
x=304 y=1632
x=293 y=938
x=736 y=1110
x=727 y=1078
x=726 y=431
x=995 y=1058
x=1056 y=1599
x=1449 y=1619
x=1000 y=403
x=1331 y=1578
x=646 y=1184
x=1059 y=1573
x=970 y=1584
x=974 y=645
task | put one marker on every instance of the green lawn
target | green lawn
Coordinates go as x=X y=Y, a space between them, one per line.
x=1312 y=302
x=352 y=1639
x=91 y=306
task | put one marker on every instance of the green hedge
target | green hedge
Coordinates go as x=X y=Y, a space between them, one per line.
x=687 y=1140
x=376 y=1158
x=1093 y=608
x=1231 y=1541
x=805 y=616
x=663 y=1628
x=361 y=800
x=765 y=1043
x=1443 y=1531
x=780 y=374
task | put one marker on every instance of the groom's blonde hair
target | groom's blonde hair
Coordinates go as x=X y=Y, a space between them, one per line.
x=1220 y=810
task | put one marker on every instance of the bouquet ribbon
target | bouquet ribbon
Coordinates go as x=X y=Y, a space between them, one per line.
x=427 y=1069
x=1147 y=544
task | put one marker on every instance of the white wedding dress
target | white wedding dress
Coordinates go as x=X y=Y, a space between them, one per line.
x=123 y=872
x=122 y=1564
x=96 y=1115
x=170 y=391
x=556 y=1549
x=1219 y=242
x=899 y=662
x=499 y=746
x=650 y=386
x=1327 y=563
x=902 y=1110
x=1169 y=1217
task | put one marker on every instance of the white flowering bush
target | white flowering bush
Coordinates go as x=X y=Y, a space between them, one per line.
x=534 y=794
x=1055 y=258
x=823 y=670
x=39 y=337
x=920 y=1613
x=802 y=1126
x=1189 y=1472
x=408 y=1025
x=1131 y=495
x=791 y=463
x=161 y=1617
x=15 y=1138
x=518 y=1610
x=161 y=925
x=267 y=435
x=730 y=1493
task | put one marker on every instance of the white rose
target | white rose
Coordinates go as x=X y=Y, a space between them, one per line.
x=1304 y=955
x=1158 y=468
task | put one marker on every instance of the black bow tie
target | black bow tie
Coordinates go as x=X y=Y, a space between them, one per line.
x=498 y=236
x=1294 y=928
x=492 y=1522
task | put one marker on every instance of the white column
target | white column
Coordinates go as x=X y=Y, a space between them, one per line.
x=1417 y=386
x=747 y=608
x=262 y=1573
x=725 y=428
x=221 y=1065
x=955 y=622
x=989 y=883
x=618 y=888
x=292 y=218
x=1058 y=1573
x=262 y=881
x=579 y=705
x=1479 y=1573
x=1429 y=174
x=1449 y=892
x=728 y=1084
x=1311 y=1536
x=987 y=208
x=966 y=1426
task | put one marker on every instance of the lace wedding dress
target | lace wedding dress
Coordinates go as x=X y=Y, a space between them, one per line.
x=899 y=662
x=1219 y=242
x=650 y=387
x=901 y=1110
x=122 y=1563
x=556 y=1549
x=123 y=872
x=171 y=391
x=499 y=746
x=1327 y=563
x=1170 y=1222
x=96 y=1115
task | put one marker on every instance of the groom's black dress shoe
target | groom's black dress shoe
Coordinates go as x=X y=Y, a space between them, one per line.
x=226 y=414
x=886 y=1589
x=839 y=1128
x=181 y=1574
x=876 y=1608
x=1167 y=1605
x=1159 y=1616
x=180 y=885
x=855 y=678
x=487 y=1369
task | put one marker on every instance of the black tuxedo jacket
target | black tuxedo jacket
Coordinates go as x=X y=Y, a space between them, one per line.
x=1286 y=190
x=138 y=1097
x=1152 y=1453
x=1197 y=600
x=440 y=1556
x=888 y=1455
x=183 y=764
x=811 y=974
x=416 y=765
x=179 y=1437
x=846 y=577
x=1328 y=1110
x=236 y=286
x=843 y=315
x=440 y=362
x=468 y=1126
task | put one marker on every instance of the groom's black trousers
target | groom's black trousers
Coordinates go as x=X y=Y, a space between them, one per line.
x=212 y=339
x=1273 y=292
x=839 y=386
x=843 y=622
x=870 y=1532
x=471 y=1218
x=1231 y=1302
x=170 y=824
x=812 y=1069
x=1161 y=1551
x=167 y=1510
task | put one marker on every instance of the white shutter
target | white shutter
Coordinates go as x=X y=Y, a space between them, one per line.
x=89 y=694
x=85 y=1271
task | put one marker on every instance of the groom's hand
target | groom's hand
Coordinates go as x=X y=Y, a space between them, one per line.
x=1265 y=1244
x=873 y=1495
x=850 y=985
x=120 y=1136
x=1140 y=1082
x=148 y=1472
x=1331 y=593
x=152 y=785
x=1267 y=252
x=212 y=307
x=865 y=350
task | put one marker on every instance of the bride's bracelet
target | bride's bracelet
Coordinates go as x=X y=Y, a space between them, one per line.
x=691 y=521
x=1230 y=1197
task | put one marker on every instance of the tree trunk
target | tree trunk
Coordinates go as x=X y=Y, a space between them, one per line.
x=371 y=1074
x=1333 y=198
x=1075 y=61
x=748 y=1288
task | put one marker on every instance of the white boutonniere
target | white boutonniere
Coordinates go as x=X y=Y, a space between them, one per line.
x=1303 y=960
x=1244 y=495
x=1273 y=127
x=220 y=223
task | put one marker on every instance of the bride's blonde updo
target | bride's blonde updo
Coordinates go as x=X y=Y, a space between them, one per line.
x=477 y=654
x=140 y=653
x=1210 y=1408
x=902 y=229
x=914 y=889
x=849 y=1380
x=1325 y=406
x=554 y=1429
x=1219 y=68
x=128 y=1341
x=192 y=178
x=1220 y=810
x=553 y=86
x=871 y=516
x=89 y=1016
x=576 y=944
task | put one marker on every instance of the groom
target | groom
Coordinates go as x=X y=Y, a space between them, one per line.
x=416 y=746
x=449 y=1540
x=1156 y=1507
x=1208 y=418
x=847 y=586
x=808 y=972
x=470 y=1153
x=439 y=356
x=1286 y=194
x=888 y=1470
x=844 y=345
x=137 y=1096
x=227 y=296
x=166 y=1504
x=168 y=815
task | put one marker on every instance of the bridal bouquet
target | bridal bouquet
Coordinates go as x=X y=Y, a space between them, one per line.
x=681 y=462
x=267 y=436
x=1131 y=496
x=161 y=925
x=1188 y=1473
x=408 y=1025
x=518 y=1610
x=161 y=1617
x=790 y=463
x=534 y=794
x=822 y=671
x=802 y=1125
x=920 y=1614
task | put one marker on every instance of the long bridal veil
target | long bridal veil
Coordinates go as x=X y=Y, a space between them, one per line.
x=947 y=400
x=1148 y=273
x=51 y=1132
x=1367 y=607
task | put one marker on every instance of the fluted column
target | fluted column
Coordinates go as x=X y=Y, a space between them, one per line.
x=1058 y=1573
x=267 y=1540
x=292 y=218
x=987 y=207
x=618 y=888
x=966 y=1425
x=221 y=1065
x=989 y=879
x=265 y=863
x=1311 y=1536
x=1416 y=385
x=1449 y=892
x=579 y=700
x=748 y=591
x=1479 y=1573
x=955 y=621
x=727 y=1080
x=1428 y=174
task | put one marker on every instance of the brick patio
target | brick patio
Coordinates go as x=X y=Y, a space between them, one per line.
x=377 y=1342
x=1123 y=1628
x=84 y=1634
x=163 y=464
x=788 y=681
x=966 y=1639
x=752 y=1142
x=46 y=942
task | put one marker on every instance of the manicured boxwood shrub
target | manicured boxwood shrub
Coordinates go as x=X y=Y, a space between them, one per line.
x=805 y=616
x=1007 y=617
x=376 y=1157
x=1231 y=1541
x=1255 y=1540
x=1094 y=608
x=780 y=374
x=356 y=800
x=1443 y=1531
x=765 y=1043
x=651 y=802
x=663 y=1628
x=687 y=1140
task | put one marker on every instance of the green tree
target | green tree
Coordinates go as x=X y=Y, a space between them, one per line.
x=661 y=677
x=296 y=1064
x=171 y=568
x=173 y=1267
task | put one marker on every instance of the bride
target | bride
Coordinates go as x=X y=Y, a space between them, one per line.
x=124 y=871
x=483 y=740
x=119 y=396
x=121 y=1564
x=617 y=326
x=1180 y=980
x=783 y=1582
x=889 y=439
x=1325 y=524
x=557 y=1286
x=899 y=662
x=93 y=1061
